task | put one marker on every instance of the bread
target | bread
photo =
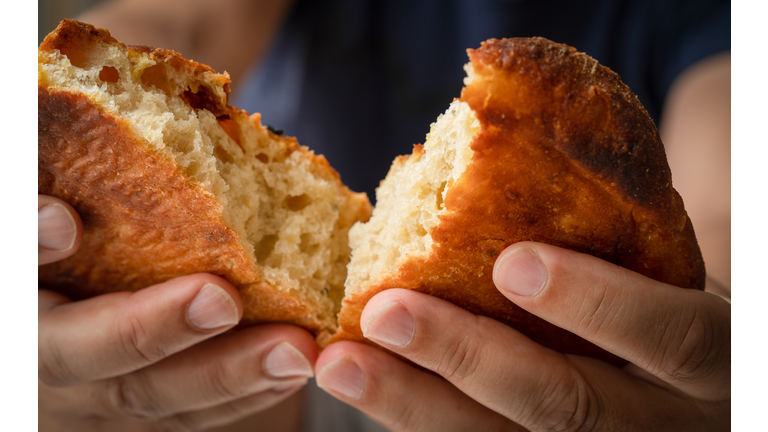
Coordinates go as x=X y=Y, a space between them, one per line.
x=170 y=180
x=544 y=145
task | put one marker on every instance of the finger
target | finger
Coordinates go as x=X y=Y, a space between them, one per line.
x=232 y=412
x=681 y=336
x=503 y=370
x=59 y=230
x=251 y=410
x=490 y=362
x=47 y=300
x=213 y=373
x=399 y=396
x=117 y=333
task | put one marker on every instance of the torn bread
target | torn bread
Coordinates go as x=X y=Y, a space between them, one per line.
x=544 y=145
x=169 y=180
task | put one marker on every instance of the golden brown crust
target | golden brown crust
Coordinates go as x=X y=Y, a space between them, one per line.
x=78 y=41
x=566 y=156
x=263 y=303
x=144 y=214
x=75 y=40
x=144 y=221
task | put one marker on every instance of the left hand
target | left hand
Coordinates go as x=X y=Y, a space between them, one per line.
x=162 y=358
x=677 y=340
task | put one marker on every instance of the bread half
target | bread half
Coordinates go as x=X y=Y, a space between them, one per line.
x=170 y=180
x=544 y=145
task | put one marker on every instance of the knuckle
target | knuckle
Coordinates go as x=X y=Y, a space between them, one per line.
x=693 y=348
x=462 y=357
x=221 y=384
x=52 y=368
x=240 y=408
x=404 y=416
x=597 y=311
x=135 y=344
x=567 y=405
x=130 y=396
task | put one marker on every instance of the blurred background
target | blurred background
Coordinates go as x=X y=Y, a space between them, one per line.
x=50 y=12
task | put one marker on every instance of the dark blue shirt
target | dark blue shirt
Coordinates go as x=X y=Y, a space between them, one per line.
x=361 y=81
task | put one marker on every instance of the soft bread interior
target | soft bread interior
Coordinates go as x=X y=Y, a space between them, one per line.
x=292 y=219
x=410 y=200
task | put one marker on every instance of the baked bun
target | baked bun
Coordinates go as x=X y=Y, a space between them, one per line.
x=170 y=180
x=544 y=145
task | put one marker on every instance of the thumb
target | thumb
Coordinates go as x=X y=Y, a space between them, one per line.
x=681 y=336
x=59 y=230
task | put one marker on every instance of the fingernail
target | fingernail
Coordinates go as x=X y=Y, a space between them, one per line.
x=342 y=376
x=391 y=325
x=212 y=308
x=520 y=272
x=286 y=361
x=56 y=229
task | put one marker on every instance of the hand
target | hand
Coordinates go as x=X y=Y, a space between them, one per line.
x=152 y=360
x=490 y=377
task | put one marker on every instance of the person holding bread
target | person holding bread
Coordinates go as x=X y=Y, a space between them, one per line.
x=354 y=82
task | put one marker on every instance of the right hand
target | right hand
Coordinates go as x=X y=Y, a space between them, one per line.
x=149 y=360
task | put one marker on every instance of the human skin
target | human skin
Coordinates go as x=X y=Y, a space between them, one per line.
x=679 y=379
x=227 y=35
x=695 y=129
x=483 y=375
x=163 y=358
x=678 y=341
